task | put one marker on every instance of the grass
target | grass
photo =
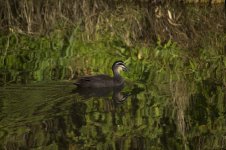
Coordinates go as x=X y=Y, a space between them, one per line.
x=65 y=56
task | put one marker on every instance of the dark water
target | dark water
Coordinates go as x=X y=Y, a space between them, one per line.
x=56 y=115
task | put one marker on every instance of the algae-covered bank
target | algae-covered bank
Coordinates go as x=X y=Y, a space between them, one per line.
x=174 y=96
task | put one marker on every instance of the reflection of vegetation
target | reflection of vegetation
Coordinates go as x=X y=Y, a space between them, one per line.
x=154 y=118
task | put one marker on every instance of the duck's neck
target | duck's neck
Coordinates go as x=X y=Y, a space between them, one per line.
x=117 y=75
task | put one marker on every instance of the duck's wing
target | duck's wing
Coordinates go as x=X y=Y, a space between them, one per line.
x=95 y=78
x=89 y=81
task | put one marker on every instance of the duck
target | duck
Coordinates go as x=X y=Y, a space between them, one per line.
x=102 y=80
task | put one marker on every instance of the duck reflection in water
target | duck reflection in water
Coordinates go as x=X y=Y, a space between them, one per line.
x=117 y=95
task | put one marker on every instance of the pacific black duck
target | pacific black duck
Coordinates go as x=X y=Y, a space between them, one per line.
x=103 y=80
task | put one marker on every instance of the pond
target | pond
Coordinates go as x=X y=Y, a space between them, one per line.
x=55 y=115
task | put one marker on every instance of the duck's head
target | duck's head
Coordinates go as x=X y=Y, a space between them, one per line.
x=118 y=66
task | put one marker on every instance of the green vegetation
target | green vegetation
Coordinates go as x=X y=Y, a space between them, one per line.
x=154 y=40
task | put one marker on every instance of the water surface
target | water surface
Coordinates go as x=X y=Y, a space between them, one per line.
x=54 y=116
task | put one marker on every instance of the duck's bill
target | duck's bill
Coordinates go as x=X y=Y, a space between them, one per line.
x=124 y=68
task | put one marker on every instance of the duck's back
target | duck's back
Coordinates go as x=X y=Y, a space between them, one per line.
x=98 y=81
